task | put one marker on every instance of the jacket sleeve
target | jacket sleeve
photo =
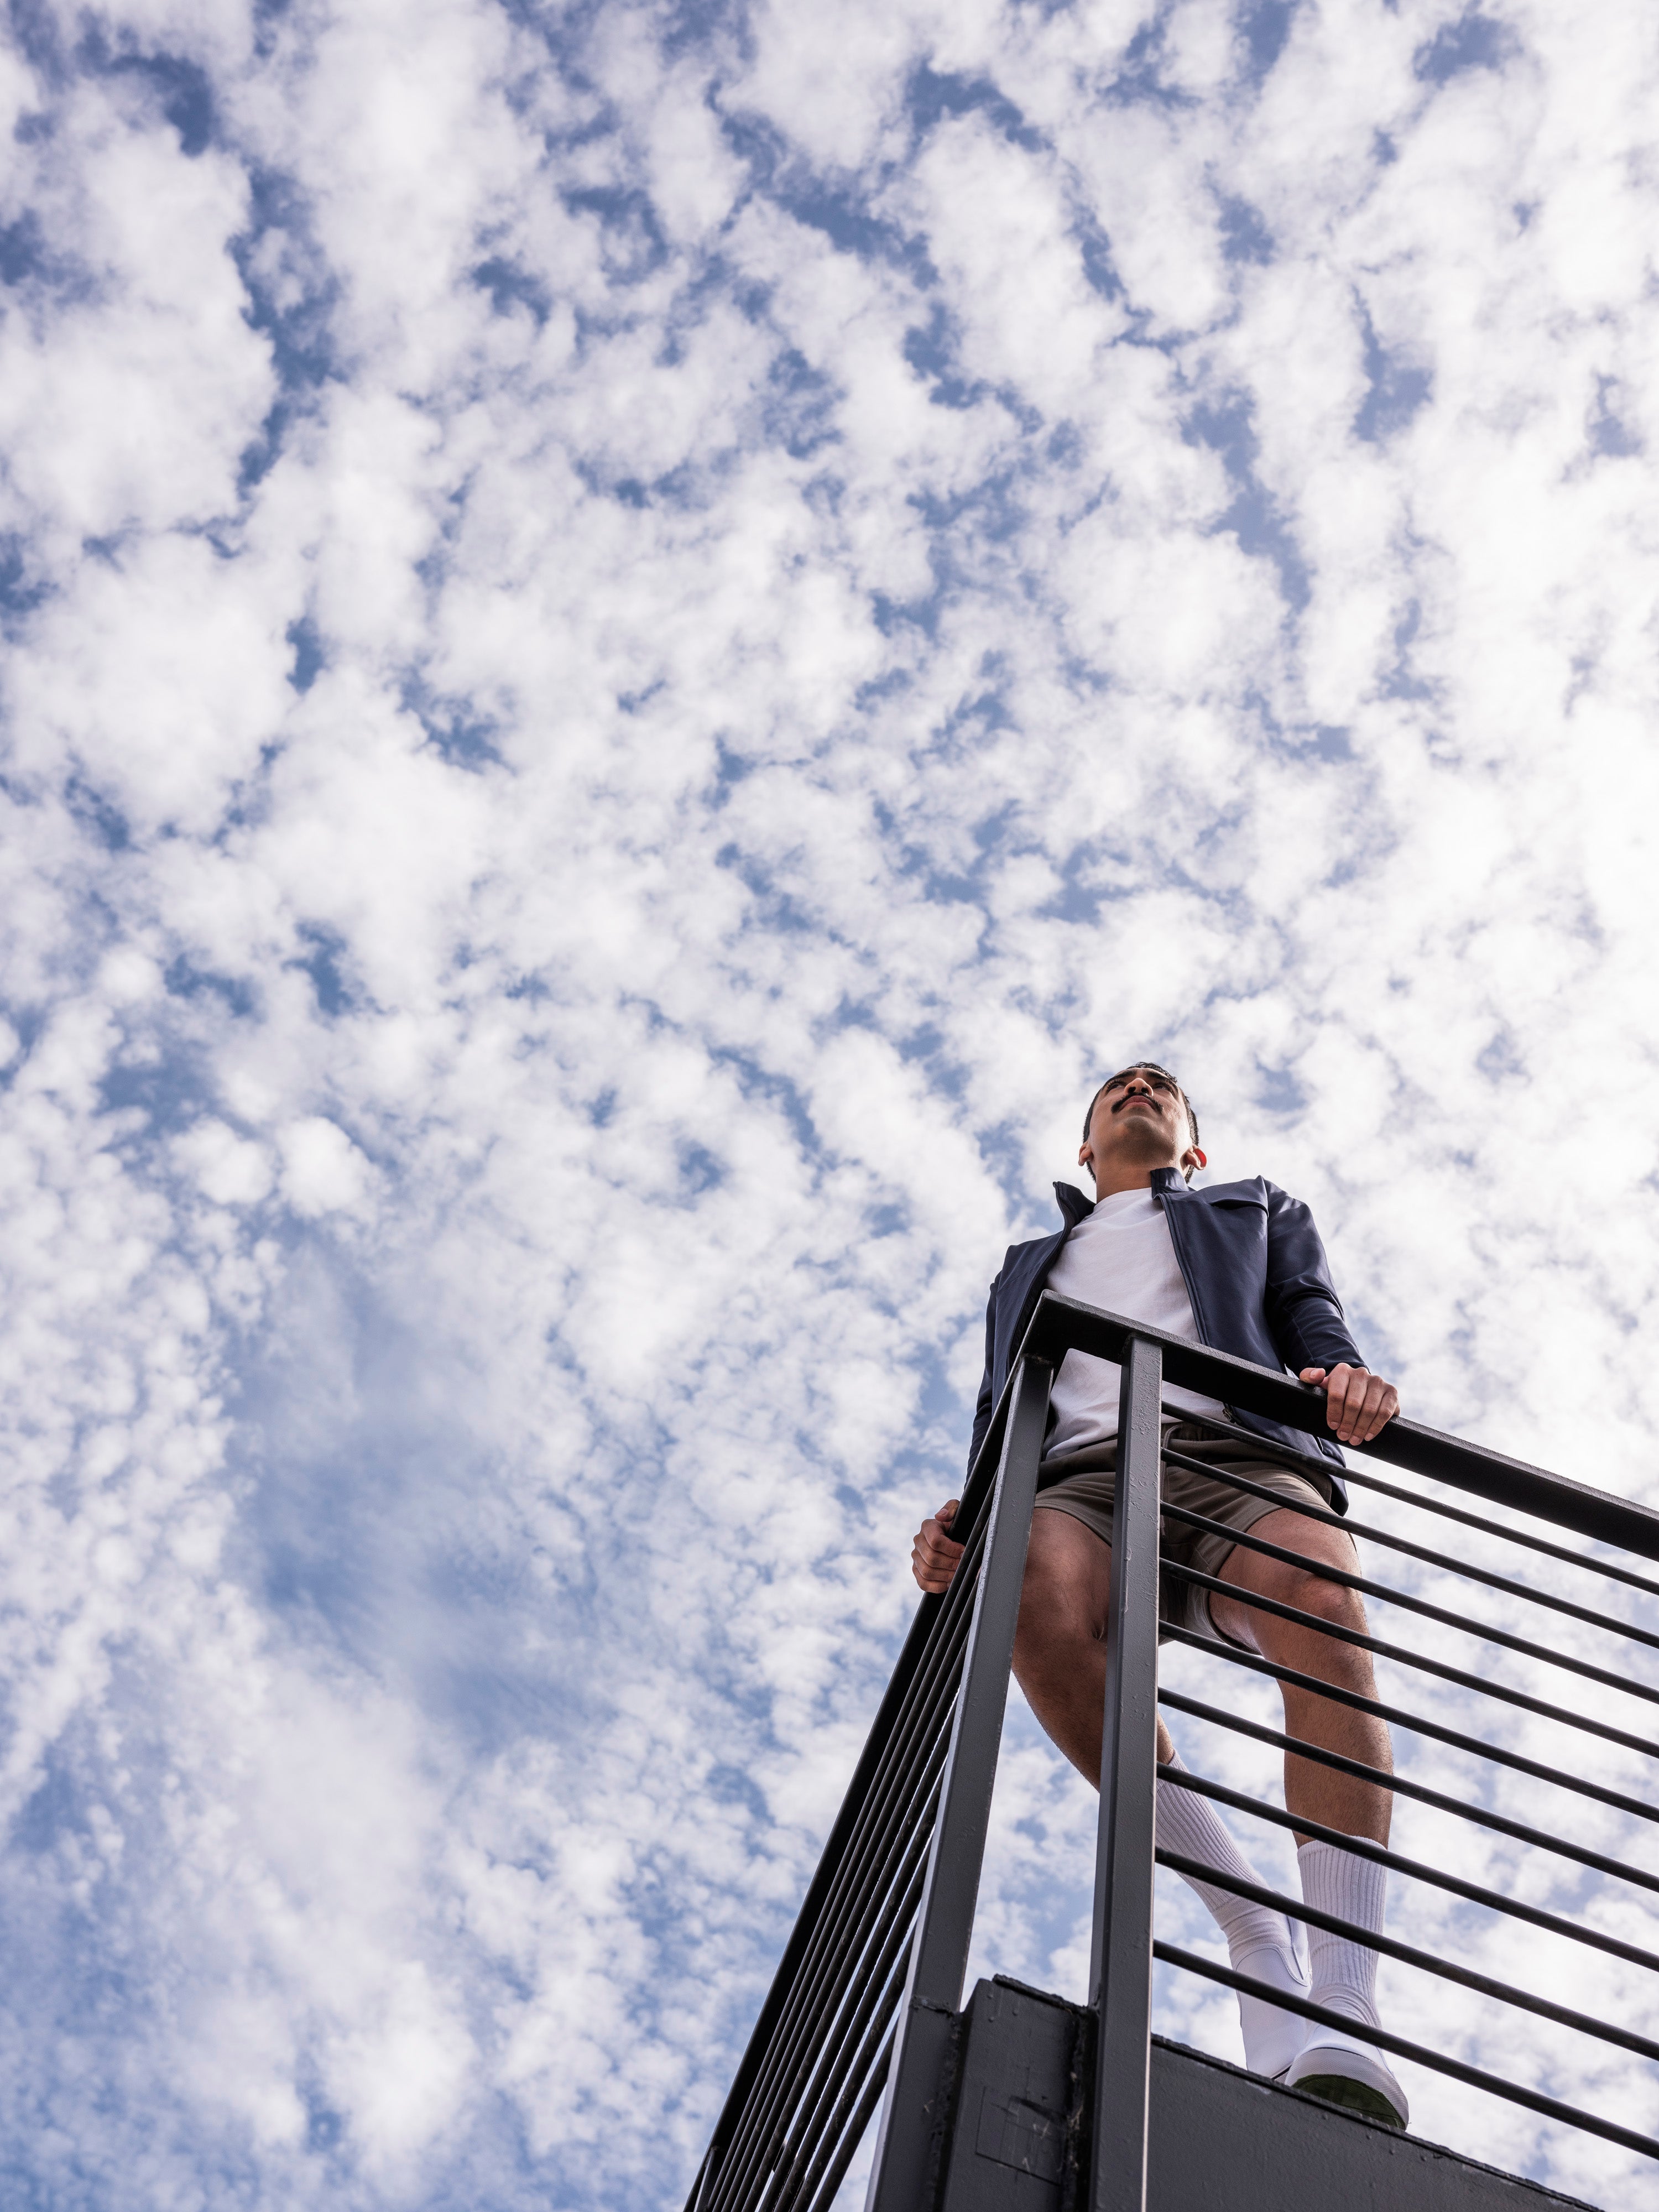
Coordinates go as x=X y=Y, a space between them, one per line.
x=1303 y=1311
x=984 y=1406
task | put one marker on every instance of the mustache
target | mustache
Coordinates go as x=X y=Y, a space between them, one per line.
x=1129 y=1097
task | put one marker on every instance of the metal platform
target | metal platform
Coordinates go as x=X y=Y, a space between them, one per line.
x=1013 y=2124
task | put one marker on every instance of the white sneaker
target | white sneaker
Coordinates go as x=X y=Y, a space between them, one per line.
x=1345 y=2071
x=1272 y=2039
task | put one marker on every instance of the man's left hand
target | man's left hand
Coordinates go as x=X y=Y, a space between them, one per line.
x=1358 y=1404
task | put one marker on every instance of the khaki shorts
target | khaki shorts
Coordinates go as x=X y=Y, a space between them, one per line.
x=1084 y=1484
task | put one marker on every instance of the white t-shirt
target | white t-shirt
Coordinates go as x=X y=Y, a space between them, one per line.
x=1120 y=1258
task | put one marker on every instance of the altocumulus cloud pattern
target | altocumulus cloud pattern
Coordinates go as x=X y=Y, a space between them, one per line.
x=639 y=638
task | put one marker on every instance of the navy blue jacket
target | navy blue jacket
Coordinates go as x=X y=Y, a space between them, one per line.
x=1255 y=1270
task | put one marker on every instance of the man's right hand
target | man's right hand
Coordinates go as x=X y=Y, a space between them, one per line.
x=933 y=1557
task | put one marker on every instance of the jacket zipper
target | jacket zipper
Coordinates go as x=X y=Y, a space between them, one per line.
x=1171 y=1215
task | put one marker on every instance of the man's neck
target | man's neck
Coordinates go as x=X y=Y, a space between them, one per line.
x=1127 y=1178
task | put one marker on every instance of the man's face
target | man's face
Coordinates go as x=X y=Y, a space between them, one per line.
x=1139 y=1116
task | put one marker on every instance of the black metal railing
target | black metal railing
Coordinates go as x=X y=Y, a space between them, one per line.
x=861 y=2010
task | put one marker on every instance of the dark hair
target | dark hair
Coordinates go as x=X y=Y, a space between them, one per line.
x=1151 y=1067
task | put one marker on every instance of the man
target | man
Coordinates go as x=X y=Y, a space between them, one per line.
x=1239 y=1266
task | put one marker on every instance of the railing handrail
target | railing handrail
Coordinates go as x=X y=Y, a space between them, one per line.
x=1059 y=1325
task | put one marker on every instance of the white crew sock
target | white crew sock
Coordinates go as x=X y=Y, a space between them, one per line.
x=1260 y=1941
x=1344 y=1973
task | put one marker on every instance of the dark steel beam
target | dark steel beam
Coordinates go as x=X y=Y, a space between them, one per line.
x=945 y=1925
x=1368 y=1478
x=1362 y=1847
x=1482 y=1685
x=1466 y=1624
x=1408 y=1954
x=1465 y=1570
x=1401 y=1785
x=1121 y=1967
x=1419 y=1723
x=1061 y=1325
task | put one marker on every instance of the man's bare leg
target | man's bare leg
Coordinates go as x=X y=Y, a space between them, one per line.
x=1333 y=1799
x=1060 y=1656
x=1059 y=1645
x=1343 y=2067
x=1059 y=1659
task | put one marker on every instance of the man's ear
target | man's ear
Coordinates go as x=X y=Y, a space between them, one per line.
x=1191 y=1160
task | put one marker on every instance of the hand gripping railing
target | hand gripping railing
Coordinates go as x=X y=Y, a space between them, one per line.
x=870 y=1980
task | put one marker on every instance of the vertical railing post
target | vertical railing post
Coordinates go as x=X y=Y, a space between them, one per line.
x=1120 y=1971
x=944 y=1921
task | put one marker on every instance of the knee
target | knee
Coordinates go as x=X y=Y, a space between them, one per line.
x=1328 y=1603
x=1304 y=1644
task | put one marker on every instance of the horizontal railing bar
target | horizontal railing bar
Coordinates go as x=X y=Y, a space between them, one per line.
x=919 y=1756
x=1399 y=2047
x=855 y=1817
x=1389 y=1947
x=1462 y=1568
x=1423 y=1607
x=1402 y=1785
x=755 y=2125
x=918 y=1733
x=924 y=1726
x=924 y=1723
x=1362 y=1847
x=1481 y=1685
x=891 y=1931
x=848 y=1819
x=1320 y=1465
x=855 y=2134
x=790 y=2056
x=856 y=2075
x=1061 y=1325
x=982 y=1482
x=879 y=2027
x=1418 y=1723
x=919 y=1652
x=773 y=2115
x=883 y=1986
x=699 y=2180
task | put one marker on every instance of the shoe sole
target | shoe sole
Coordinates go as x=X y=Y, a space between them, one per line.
x=1352 y=2096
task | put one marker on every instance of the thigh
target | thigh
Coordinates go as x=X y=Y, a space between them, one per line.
x=1068 y=1571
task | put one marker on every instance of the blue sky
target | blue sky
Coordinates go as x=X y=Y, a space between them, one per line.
x=637 y=640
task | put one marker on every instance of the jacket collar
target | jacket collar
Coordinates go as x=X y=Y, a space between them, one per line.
x=1076 y=1208
x=1072 y=1204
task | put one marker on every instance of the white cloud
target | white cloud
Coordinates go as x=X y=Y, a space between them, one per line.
x=563 y=890
x=231 y=1170
x=323 y=1171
